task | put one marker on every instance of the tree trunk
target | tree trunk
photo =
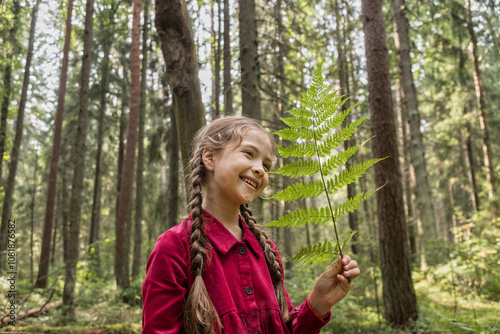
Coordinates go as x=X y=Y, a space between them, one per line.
x=344 y=90
x=94 y=252
x=176 y=36
x=483 y=118
x=16 y=147
x=228 y=90
x=121 y=144
x=215 y=62
x=400 y=302
x=123 y=223
x=407 y=171
x=32 y=220
x=7 y=84
x=78 y=161
x=469 y=164
x=423 y=193
x=173 y=179
x=250 y=96
x=139 y=198
x=43 y=267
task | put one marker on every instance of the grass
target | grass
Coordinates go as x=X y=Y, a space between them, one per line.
x=101 y=310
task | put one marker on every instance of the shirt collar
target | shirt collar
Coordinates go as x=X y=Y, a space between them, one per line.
x=223 y=240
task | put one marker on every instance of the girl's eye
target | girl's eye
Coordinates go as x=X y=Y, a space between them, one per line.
x=250 y=153
x=267 y=167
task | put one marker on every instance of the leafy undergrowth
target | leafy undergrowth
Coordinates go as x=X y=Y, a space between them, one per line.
x=101 y=310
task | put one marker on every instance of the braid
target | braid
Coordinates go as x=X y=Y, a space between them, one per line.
x=200 y=315
x=272 y=260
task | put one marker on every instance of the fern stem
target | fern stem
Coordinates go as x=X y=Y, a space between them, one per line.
x=326 y=191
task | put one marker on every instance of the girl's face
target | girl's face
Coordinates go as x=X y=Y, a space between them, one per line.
x=238 y=174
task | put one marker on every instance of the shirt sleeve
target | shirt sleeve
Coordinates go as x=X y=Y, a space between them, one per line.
x=164 y=288
x=303 y=319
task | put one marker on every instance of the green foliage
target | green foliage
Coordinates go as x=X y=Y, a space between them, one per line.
x=309 y=129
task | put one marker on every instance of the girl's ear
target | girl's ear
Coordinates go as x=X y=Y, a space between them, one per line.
x=208 y=158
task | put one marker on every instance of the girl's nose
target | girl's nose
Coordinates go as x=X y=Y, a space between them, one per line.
x=258 y=169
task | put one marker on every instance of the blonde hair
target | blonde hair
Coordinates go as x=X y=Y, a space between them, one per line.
x=200 y=315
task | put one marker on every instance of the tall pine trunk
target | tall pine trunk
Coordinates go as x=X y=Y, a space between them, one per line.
x=400 y=302
x=173 y=179
x=123 y=222
x=423 y=193
x=139 y=188
x=78 y=162
x=16 y=147
x=483 y=118
x=43 y=267
x=228 y=90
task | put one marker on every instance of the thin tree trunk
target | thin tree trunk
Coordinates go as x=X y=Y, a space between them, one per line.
x=250 y=96
x=78 y=161
x=469 y=163
x=43 y=267
x=16 y=147
x=405 y=162
x=483 y=118
x=139 y=198
x=228 y=90
x=423 y=193
x=123 y=223
x=32 y=220
x=121 y=136
x=218 y=59
x=176 y=36
x=400 y=302
x=7 y=86
x=173 y=179
x=344 y=88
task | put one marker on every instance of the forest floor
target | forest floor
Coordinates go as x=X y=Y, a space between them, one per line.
x=440 y=310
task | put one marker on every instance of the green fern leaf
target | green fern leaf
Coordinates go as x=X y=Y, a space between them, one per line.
x=300 y=190
x=298 y=168
x=303 y=217
x=338 y=138
x=316 y=254
x=297 y=150
x=295 y=133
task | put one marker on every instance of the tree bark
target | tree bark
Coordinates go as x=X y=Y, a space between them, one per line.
x=43 y=267
x=7 y=85
x=139 y=198
x=228 y=90
x=123 y=223
x=423 y=193
x=16 y=148
x=483 y=118
x=344 y=90
x=78 y=161
x=173 y=179
x=176 y=36
x=250 y=96
x=400 y=302
x=122 y=133
x=469 y=164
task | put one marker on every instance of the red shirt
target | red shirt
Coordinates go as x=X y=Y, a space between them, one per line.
x=237 y=279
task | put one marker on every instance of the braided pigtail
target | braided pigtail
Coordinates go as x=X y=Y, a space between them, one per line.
x=272 y=260
x=200 y=315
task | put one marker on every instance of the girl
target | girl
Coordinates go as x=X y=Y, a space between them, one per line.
x=216 y=271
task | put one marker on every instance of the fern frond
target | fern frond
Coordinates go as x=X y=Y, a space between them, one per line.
x=351 y=204
x=295 y=133
x=298 y=121
x=348 y=176
x=302 y=112
x=316 y=254
x=337 y=138
x=298 y=168
x=335 y=161
x=300 y=190
x=297 y=150
x=303 y=217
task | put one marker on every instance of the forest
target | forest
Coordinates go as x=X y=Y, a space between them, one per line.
x=100 y=102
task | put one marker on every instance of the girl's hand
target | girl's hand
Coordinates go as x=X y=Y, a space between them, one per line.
x=332 y=285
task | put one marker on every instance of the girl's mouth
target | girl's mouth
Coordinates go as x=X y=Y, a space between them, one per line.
x=250 y=182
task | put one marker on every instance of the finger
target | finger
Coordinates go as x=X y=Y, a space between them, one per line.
x=352 y=274
x=351 y=265
x=346 y=259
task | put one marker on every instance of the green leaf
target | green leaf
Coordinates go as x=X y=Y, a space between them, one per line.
x=348 y=176
x=316 y=254
x=298 y=168
x=300 y=190
x=303 y=217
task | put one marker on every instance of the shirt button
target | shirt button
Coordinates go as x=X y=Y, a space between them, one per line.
x=257 y=332
x=248 y=290
x=242 y=250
